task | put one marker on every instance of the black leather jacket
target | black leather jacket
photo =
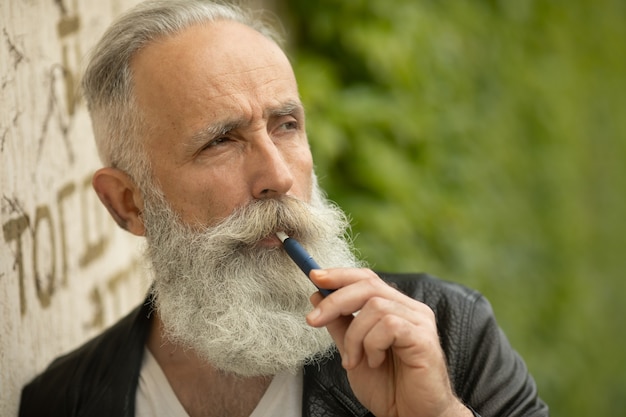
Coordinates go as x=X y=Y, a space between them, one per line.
x=100 y=378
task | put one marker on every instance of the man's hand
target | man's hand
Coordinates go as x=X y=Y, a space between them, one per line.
x=390 y=349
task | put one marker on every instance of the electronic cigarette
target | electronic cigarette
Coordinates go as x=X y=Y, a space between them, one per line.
x=301 y=257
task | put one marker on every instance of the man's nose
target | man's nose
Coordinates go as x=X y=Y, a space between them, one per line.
x=270 y=171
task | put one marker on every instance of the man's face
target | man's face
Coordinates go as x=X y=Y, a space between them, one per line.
x=225 y=136
x=224 y=123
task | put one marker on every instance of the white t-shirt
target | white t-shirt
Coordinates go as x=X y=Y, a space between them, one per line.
x=156 y=398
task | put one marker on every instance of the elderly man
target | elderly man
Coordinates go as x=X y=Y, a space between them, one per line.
x=198 y=121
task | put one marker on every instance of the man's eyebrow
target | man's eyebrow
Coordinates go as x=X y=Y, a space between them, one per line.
x=290 y=107
x=219 y=128
x=215 y=130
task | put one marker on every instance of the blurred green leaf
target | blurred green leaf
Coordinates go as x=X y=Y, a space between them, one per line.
x=484 y=142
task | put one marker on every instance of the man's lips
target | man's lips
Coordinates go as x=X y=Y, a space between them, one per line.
x=270 y=241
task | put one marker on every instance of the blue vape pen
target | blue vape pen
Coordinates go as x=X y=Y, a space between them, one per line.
x=301 y=257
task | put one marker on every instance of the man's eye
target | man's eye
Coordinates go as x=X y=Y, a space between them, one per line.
x=291 y=125
x=217 y=142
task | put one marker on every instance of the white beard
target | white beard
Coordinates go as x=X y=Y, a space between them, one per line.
x=238 y=305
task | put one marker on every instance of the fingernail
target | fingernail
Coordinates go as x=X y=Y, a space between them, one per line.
x=314 y=314
x=319 y=273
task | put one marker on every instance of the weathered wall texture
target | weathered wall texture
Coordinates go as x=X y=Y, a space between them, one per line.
x=66 y=271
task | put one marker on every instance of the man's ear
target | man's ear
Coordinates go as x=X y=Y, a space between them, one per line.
x=121 y=197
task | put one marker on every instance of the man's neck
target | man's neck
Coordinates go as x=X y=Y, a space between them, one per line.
x=203 y=390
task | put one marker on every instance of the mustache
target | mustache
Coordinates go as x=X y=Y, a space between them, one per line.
x=251 y=223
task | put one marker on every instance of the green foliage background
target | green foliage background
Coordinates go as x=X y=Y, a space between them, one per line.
x=484 y=142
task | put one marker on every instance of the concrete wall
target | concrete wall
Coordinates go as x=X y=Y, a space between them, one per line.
x=66 y=271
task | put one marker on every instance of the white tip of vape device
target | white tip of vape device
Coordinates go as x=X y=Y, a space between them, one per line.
x=282 y=236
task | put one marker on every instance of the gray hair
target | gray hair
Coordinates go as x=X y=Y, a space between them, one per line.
x=108 y=80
